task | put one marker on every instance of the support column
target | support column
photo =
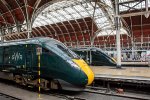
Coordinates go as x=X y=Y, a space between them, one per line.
x=90 y=57
x=2 y=34
x=118 y=34
x=29 y=29
x=133 y=47
x=28 y=22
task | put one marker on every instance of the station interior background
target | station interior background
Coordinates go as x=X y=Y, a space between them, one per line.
x=81 y=23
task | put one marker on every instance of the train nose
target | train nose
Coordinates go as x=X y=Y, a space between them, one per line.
x=86 y=69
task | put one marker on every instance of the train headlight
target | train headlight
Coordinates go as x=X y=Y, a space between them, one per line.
x=114 y=60
x=73 y=64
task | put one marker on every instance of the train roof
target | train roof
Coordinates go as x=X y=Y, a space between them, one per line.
x=86 y=49
x=36 y=40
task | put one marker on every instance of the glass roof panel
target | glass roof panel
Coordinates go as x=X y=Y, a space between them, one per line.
x=79 y=8
x=61 y=18
x=70 y=10
x=75 y=9
x=68 y=17
x=62 y=12
x=49 y=21
x=85 y=14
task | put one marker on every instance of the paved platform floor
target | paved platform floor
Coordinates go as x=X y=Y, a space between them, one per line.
x=135 y=63
x=125 y=71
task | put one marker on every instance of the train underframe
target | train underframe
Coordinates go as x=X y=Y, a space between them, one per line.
x=30 y=80
x=45 y=84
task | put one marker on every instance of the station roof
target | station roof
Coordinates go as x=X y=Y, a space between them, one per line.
x=73 y=22
x=14 y=12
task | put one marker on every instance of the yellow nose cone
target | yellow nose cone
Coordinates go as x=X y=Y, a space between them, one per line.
x=86 y=69
x=114 y=60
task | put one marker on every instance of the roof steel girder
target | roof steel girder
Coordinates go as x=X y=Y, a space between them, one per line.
x=63 y=25
x=27 y=19
x=21 y=11
x=8 y=8
x=58 y=28
x=69 y=24
x=44 y=32
x=47 y=28
x=83 y=17
x=134 y=14
x=53 y=29
x=77 y=23
x=39 y=10
x=97 y=32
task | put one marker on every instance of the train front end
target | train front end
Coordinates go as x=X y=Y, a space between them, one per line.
x=73 y=73
x=85 y=69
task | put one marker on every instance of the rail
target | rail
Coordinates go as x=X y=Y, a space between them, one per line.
x=8 y=97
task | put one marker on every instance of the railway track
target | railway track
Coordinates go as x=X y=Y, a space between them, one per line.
x=61 y=95
x=106 y=91
x=67 y=97
x=101 y=91
x=7 y=97
x=83 y=95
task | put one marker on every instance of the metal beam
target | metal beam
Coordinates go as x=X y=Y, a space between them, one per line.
x=130 y=1
x=134 y=14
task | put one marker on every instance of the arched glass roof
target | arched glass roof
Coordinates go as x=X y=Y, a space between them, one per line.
x=77 y=9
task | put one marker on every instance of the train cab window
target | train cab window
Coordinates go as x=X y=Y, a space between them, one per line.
x=67 y=51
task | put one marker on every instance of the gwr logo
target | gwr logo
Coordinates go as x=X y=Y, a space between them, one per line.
x=16 y=56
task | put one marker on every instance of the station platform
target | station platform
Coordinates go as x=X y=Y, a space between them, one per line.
x=125 y=74
x=135 y=63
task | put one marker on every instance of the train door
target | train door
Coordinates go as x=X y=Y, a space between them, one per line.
x=1 y=58
x=29 y=57
x=6 y=59
x=84 y=55
x=97 y=58
x=89 y=57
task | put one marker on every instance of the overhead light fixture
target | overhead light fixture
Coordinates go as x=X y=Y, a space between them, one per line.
x=84 y=31
x=146 y=14
x=146 y=6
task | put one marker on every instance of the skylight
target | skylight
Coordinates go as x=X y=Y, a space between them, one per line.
x=75 y=9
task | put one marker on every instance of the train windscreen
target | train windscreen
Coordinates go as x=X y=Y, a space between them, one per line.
x=103 y=53
x=61 y=49
x=67 y=51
